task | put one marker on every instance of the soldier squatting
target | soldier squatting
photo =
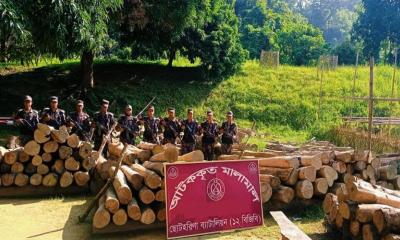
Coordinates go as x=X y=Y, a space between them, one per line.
x=155 y=130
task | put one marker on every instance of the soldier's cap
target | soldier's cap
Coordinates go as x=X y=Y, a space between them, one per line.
x=79 y=103
x=150 y=107
x=105 y=102
x=229 y=113
x=190 y=110
x=28 y=98
x=128 y=107
x=171 y=109
x=54 y=99
x=209 y=112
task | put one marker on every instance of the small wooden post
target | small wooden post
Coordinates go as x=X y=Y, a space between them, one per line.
x=370 y=101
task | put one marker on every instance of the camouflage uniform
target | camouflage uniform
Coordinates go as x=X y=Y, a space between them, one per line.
x=83 y=120
x=229 y=132
x=130 y=129
x=28 y=124
x=210 y=132
x=55 y=119
x=103 y=123
x=151 y=129
x=172 y=128
x=190 y=129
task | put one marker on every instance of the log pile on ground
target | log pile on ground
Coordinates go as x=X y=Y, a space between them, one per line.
x=137 y=193
x=53 y=158
x=364 y=211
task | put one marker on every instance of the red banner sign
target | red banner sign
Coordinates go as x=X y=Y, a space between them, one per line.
x=212 y=197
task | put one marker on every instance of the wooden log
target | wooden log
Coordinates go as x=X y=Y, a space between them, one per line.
x=369 y=232
x=86 y=164
x=284 y=194
x=40 y=136
x=333 y=213
x=21 y=180
x=46 y=129
x=7 y=179
x=396 y=182
x=73 y=141
x=23 y=157
x=29 y=169
x=170 y=154
x=120 y=217
x=328 y=173
x=146 y=145
x=103 y=166
x=37 y=160
x=64 y=152
x=112 y=203
x=388 y=172
x=314 y=161
x=320 y=186
x=60 y=135
x=293 y=178
x=46 y=157
x=66 y=179
x=161 y=212
x=288 y=230
x=148 y=216
x=266 y=192
x=346 y=156
x=42 y=169
x=146 y=195
x=329 y=201
x=133 y=210
x=131 y=153
x=71 y=164
x=121 y=187
x=375 y=163
x=101 y=217
x=307 y=173
x=133 y=177
x=36 y=179
x=273 y=181
x=339 y=220
x=258 y=154
x=339 y=166
x=17 y=167
x=347 y=209
x=157 y=167
x=50 y=147
x=387 y=220
x=11 y=156
x=361 y=155
x=5 y=168
x=360 y=165
x=151 y=179
x=160 y=195
x=280 y=162
x=391 y=237
x=365 y=212
x=58 y=166
x=355 y=228
x=81 y=178
x=32 y=148
x=282 y=173
x=85 y=149
x=194 y=156
x=304 y=189
x=3 y=150
x=50 y=180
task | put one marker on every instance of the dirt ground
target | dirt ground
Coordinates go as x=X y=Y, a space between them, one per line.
x=56 y=218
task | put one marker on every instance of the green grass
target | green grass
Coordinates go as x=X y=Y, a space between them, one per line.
x=283 y=102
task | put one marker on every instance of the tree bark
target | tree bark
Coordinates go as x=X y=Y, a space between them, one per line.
x=87 y=69
x=171 y=56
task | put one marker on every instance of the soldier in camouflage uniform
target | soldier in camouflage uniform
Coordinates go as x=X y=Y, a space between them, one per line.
x=172 y=127
x=53 y=116
x=27 y=119
x=229 y=133
x=80 y=121
x=129 y=126
x=151 y=126
x=102 y=123
x=190 y=129
x=209 y=129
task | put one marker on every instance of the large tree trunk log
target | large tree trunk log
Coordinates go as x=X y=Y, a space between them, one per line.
x=396 y=183
x=133 y=210
x=170 y=154
x=328 y=173
x=320 y=186
x=146 y=195
x=36 y=160
x=347 y=209
x=304 y=189
x=355 y=228
x=282 y=173
x=131 y=153
x=133 y=177
x=391 y=237
x=388 y=172
x=121 y=187
x=58 y=166
x=148 y=216
x=47 y=157
x=329 y=202
x=293 y=178
x=32 y=148
x=280 y=162
x=284 y=194
x=365 y=212
x=346 y=156
x=64 y=152
x=81 y=178
x=46 y=129
x=360 y=165
x=85 y=149
x=36 y=179
x=50 y=147
x=195 y=156
x=73 y=141
x=30 y=169
x=21 y=180
x=314 y=161
x=7 y=179
x=161 y=212
x=266 y=192
x=307 y=173
x=66 y=179
x=387 y=220
x=101 y=217
x=103 y=166
x=23 y=157
x=40 y=136
x=60 y=135
x=361 y=155
x=71 y=164
x=339 y=166
x=157 y=167
x=160 y=195
x=120 y=217
x=151 y=179
x=50 y=180
x=11 y=156
x=42 y=169
x=273 y=181
x=87 y=69
x=3 y=150
x=369 y=232
x=17 y=167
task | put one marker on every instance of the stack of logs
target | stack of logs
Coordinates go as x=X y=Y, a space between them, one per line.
x=137 y=193
x=364 y=211
x=288 y=172
x=53 y=158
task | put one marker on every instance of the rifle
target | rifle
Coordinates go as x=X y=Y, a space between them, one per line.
x=10 y=121
x=79 y=127
x=242 y=151
x=144 y=109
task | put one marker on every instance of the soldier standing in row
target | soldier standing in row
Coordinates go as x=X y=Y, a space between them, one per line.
x=190 y=129
x=27 y=119
x=172 y=127
x=80 y=121
x=151 y=126
x=53 y=116
x=209 y=129
x=129 y=126
x=102 y=124
x=229 y=132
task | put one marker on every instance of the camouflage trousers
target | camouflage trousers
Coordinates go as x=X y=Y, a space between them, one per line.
x=208 y=151
x=188 y=147
x=226 y=148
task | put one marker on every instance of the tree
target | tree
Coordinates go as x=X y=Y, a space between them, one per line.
x=67 y=28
